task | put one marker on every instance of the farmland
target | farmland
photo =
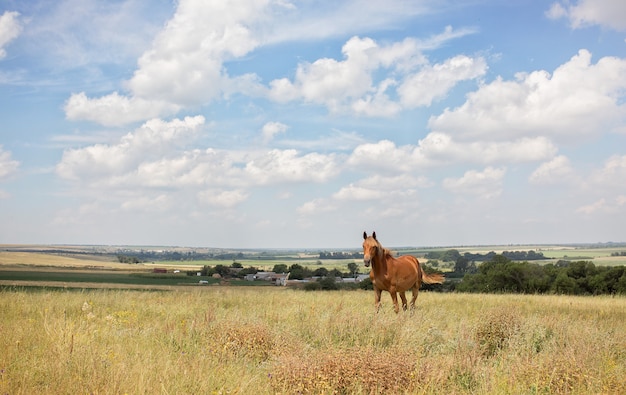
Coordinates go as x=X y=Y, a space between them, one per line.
x=83 y=323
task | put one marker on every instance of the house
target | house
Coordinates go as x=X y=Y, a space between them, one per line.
x=275 y=278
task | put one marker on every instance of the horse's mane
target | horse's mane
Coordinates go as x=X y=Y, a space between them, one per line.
x=387 y=252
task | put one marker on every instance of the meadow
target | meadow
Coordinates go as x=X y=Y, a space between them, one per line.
x=268 y=340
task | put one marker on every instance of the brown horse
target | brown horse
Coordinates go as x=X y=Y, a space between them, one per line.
x=394 y=275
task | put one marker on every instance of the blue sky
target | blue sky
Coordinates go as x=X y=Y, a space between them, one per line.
x=300 y=124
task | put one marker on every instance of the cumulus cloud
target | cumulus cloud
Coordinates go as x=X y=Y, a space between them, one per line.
x=556 y=171
x=349 y=84
x=8 y=166
x=605 y=183
x=378 y=187
x=486 y=184
x=223 y=198
x=187 y=65
x=583 y=13
x=10 y=29
x=614 y=169
x=434 y=81
x=316 y=206
x=184 y=66
x=271 y=129
x=115 y=109
x=578 y=99
x=440 y=149
x=156 y=155
x=278 y=166
x=152 y=140
x=611 y=206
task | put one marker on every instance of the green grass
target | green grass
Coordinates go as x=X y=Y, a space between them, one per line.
x=98 y=277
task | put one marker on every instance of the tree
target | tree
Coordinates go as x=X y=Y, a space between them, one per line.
x=353 y=268
x=321 y=272
x=222 y=270
x=328 y=283
x=280 y=268
x=297 y=272
x=451 y=256
x=461 y=265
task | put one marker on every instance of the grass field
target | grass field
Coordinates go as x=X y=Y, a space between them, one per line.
x=186 y=338
x=277 y=340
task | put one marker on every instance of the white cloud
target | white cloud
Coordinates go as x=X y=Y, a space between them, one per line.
x=606 y=184
x=187 y=64
x=316 y=206
x=583 y=13
x=271 y=129
x=279 y=166
x=223 y=198
x=156 y=156
x=486 y=184
x=114 y=109
x=184 y=67
x=349 y=84
x=159 y=203
x=440 y=149
x=378 y=187
x=612 y=173
x=10 y=29
x=434 y=82
x=386 y=156
x=579 y=99
x=8 y=166
x=557 y=171
x=154 y=139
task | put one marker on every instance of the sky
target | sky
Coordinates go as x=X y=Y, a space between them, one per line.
x=301 y=124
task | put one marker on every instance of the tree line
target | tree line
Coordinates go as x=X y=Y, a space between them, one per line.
x=341 y=255
x=453 y=255
x=500 y=275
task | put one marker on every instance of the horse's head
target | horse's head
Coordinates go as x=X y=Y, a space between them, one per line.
x=371 y=248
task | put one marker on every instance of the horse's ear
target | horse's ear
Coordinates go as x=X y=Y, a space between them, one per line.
x=364 y=235
x=374 y=236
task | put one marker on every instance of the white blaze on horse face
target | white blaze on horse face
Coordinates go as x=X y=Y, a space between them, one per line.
x=367 y=256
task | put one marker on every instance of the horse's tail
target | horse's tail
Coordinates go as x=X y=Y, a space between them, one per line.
x=433 y=278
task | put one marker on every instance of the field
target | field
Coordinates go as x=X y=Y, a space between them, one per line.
x=84 y=324
x=278 y=340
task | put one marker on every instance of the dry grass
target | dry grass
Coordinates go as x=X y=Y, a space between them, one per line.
x=34 y=259
x=266 y=341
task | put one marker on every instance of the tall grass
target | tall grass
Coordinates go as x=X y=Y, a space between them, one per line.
x=277 y=340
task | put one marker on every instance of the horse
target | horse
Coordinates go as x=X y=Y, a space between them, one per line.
x=394 y=275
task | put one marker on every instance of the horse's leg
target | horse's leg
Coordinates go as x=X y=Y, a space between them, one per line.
x=377 y=293
x=414 y=292
x=403 y=297
x=394 y=297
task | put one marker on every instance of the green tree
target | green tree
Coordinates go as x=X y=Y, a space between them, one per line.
x=563 y=284
x=280 y=268
x=328 y=283
x=222 y=270
x=321 y=272
x=451 y=256
x=298 y=272
x=353 y=269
